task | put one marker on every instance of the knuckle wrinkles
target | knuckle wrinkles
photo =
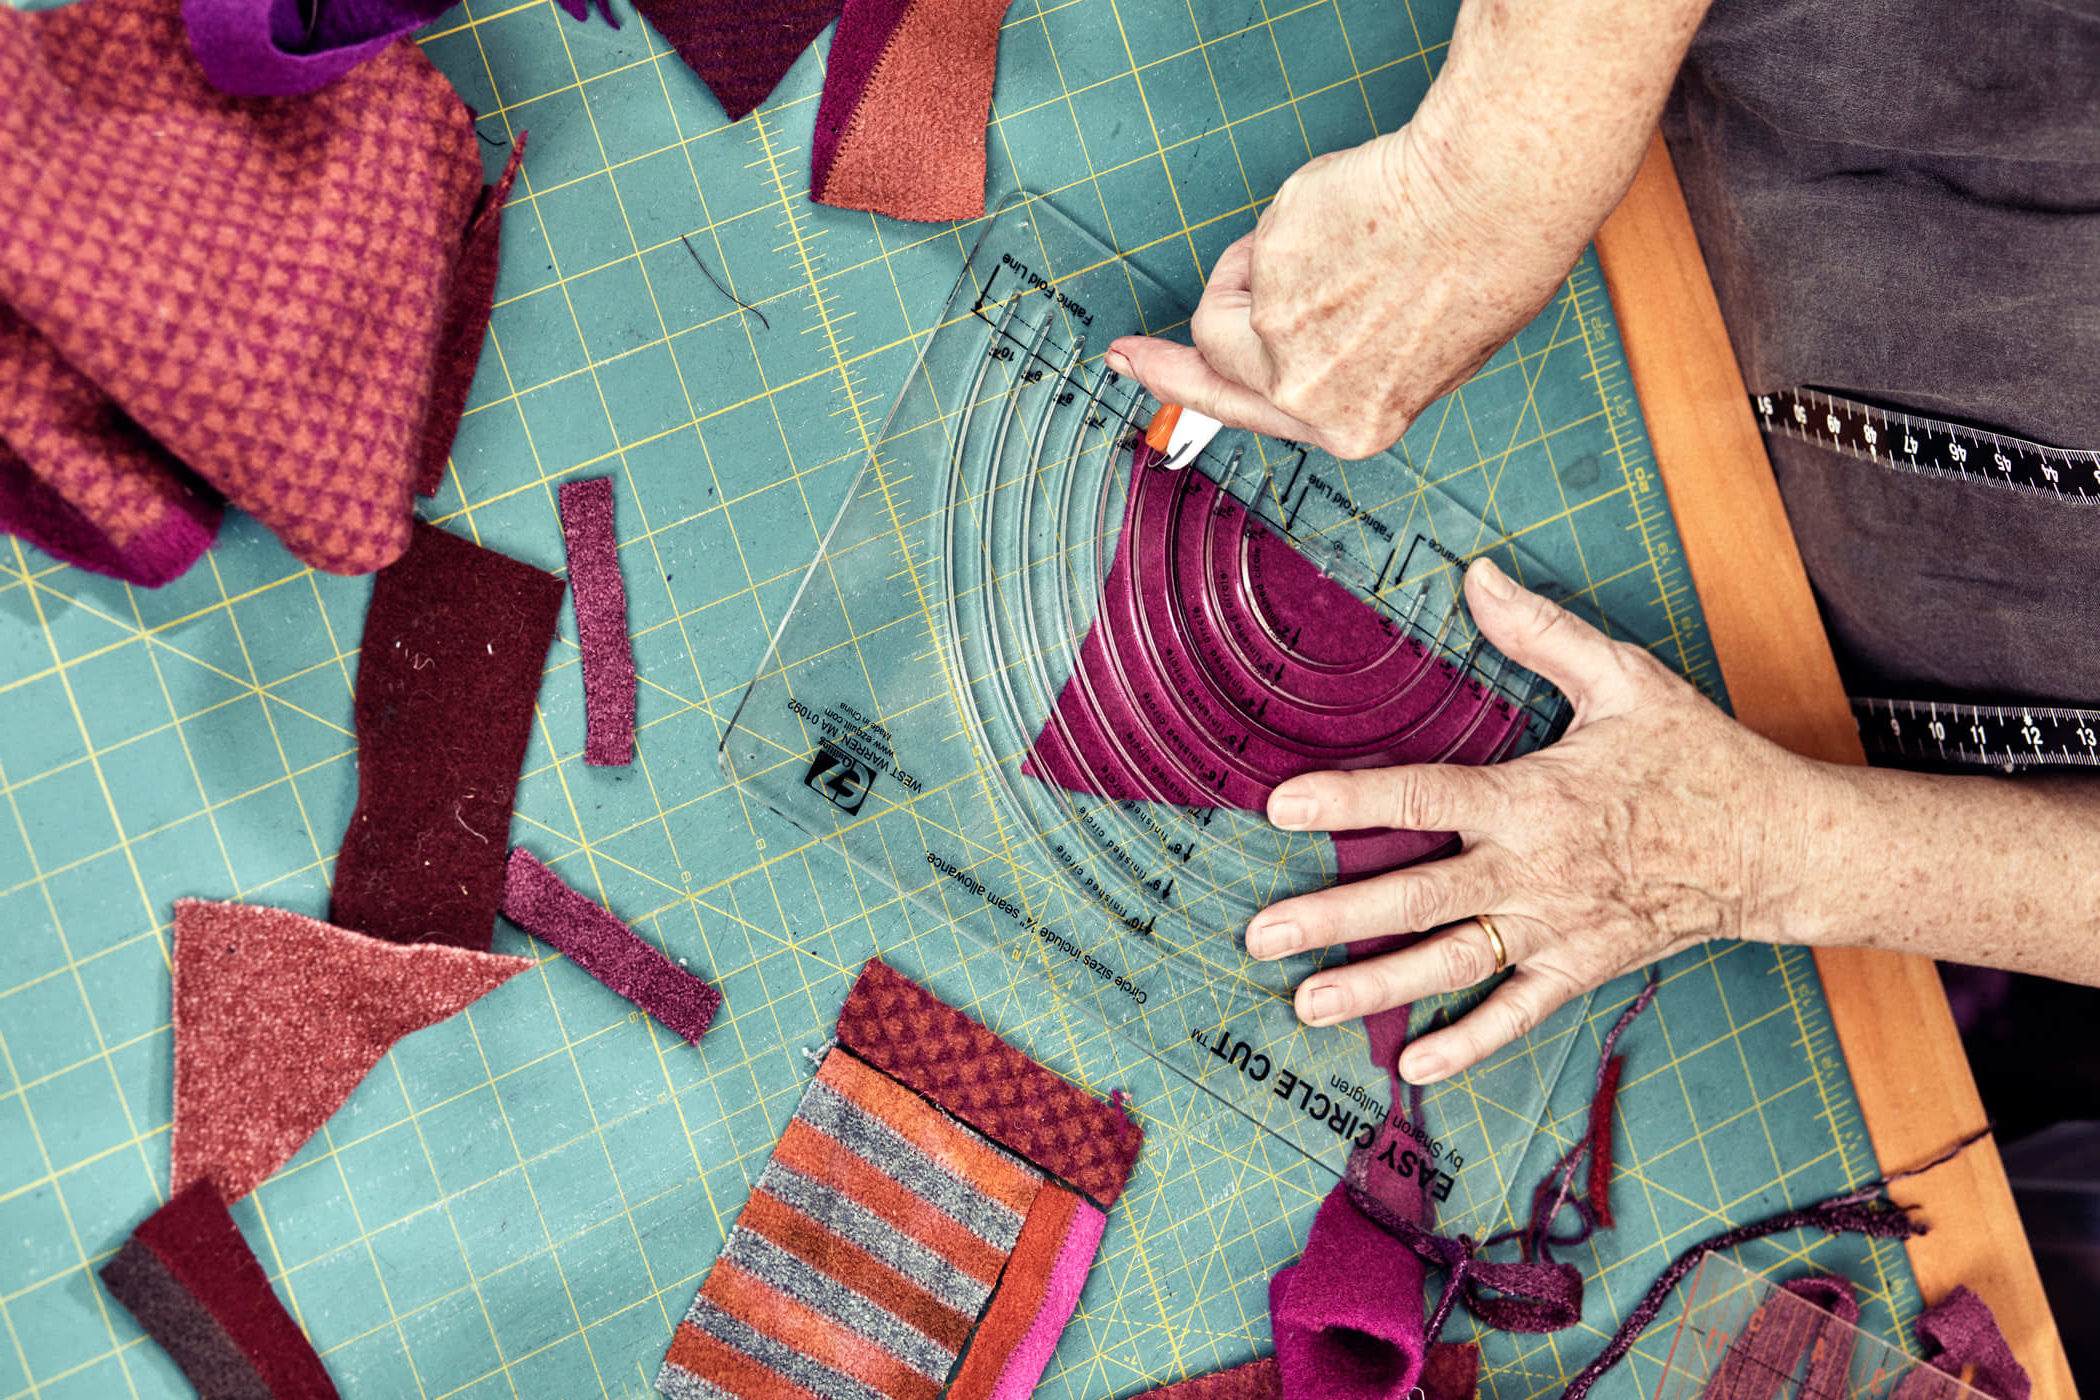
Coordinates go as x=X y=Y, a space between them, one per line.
x=1464 y=964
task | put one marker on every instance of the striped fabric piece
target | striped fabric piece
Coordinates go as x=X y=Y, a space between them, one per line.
x=864 y=1258
x=1035 y=1300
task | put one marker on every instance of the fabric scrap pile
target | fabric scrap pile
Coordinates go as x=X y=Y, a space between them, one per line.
x=278 y=1017
x=907 y=90
x=205 y=298
x=924 y=1226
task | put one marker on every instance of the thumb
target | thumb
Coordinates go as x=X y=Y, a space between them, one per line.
x=1542 y=636
x=1179 y=374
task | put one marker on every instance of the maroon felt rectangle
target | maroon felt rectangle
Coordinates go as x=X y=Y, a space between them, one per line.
x=600 y=600
x=935 y=1050
x=195 y=1246
x=536 y=900
x=455 y=643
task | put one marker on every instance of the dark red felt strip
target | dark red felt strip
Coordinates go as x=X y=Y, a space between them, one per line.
x=931 y=1048
x=454 y=645
x=600 y=600
x=184 y=1327
x=195 y=1238
x=1601 y=1116
x=536 y=900
x=740 y=48
x=466 y=324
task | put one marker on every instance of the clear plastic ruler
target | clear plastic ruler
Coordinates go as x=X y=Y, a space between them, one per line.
x=1744 y=1336
x=901 y=713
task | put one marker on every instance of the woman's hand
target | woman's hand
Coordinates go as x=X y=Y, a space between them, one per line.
x=1375 y=283
x=1380 y=278
x=1654 y=823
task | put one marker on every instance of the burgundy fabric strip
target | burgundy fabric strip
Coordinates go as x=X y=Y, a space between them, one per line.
x=600 y=600
x=536 y=900
x=466 y=323
x=1812 y=1316
x=200 y=1252
x=1257 y=1380
x=455 y=642
x=740 y=48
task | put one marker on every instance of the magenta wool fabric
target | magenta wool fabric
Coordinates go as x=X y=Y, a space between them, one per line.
x=536 y=900
x=1235 y=605
x=271 y=48
x=1347 y=1317
x=601 y=621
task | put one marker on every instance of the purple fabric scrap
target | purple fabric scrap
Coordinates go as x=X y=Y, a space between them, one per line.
x=1347 y=1317
x=1223 y=661
x=1959 y=1331
x=601 y=621
x=536 y=900
x=267 y=48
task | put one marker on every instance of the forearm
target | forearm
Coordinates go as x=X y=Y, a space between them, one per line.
x=1998 y=872
x=1557 y=98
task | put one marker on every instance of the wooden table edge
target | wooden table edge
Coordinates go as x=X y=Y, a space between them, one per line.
x=1908 y=1069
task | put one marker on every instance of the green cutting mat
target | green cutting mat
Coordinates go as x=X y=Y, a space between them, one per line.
x=520 y=1201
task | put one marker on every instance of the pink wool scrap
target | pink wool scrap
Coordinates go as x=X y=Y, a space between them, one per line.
x=536 y=900
x=601 y=621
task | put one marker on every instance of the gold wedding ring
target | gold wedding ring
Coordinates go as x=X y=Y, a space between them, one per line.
x=1495 y=942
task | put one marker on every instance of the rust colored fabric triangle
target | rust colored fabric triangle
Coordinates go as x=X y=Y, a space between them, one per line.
x=279 y=1016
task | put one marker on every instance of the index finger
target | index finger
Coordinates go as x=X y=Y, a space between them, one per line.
x=1416 y=797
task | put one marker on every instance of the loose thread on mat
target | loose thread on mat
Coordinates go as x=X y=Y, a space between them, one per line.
x=720 y=288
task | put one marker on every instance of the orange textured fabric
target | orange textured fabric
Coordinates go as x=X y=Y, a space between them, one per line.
x=252 y=294
x=279 y=1016
x=932 y=1049
x=913 y=144
x=1020 y=1296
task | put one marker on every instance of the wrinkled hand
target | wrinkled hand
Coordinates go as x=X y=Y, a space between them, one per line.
x=1654 y=823
x=1378 y=280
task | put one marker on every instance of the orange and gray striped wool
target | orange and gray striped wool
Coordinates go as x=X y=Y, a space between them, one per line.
x=866 y=1254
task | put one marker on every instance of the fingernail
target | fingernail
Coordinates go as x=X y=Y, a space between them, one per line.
x=1322 y=1004
x=1274 y=940
x=1118 y=362
x=1493 y=581
x=1291 y=810
x=1425 y=1067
